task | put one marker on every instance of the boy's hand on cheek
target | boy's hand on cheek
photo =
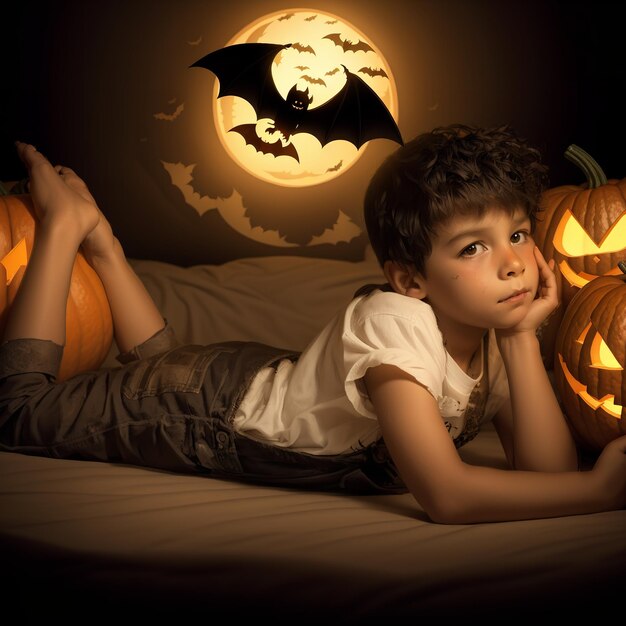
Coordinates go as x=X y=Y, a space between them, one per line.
x=546 y=299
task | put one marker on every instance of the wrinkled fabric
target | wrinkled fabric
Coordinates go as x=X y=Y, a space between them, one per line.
x=169 y=407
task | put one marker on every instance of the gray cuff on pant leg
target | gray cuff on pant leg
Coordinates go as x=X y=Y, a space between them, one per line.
x=30 y=355
x=161 y=341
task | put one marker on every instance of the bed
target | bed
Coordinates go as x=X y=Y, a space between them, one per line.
x=89 y=541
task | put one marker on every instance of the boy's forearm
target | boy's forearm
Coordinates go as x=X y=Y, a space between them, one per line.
x=485 y=494
x=542 y=439
x=135 y=315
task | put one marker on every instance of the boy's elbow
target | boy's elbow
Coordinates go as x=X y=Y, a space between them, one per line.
x=452 y=500
x=446 y=513
x=445 y=508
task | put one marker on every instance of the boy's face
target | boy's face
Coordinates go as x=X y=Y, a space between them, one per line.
x=482 y=271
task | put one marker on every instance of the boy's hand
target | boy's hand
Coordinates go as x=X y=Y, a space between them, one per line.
x=610 y=470
x=546 y=300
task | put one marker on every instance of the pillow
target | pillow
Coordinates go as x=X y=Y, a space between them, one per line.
x=281 y=301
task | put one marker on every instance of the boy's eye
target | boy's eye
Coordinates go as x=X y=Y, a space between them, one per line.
x=471 y=250
x=519 y=236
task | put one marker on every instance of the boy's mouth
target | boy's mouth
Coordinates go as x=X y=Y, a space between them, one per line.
x=517 y=295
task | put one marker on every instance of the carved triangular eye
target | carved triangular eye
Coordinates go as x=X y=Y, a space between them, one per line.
x=601 y=355
x=17 y=257
x=572 y=240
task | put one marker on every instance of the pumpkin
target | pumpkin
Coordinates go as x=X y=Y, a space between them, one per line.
x=89 y=327
x=589 y=362
x=583 y=228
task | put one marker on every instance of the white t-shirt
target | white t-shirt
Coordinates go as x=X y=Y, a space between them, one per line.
x=318 y=404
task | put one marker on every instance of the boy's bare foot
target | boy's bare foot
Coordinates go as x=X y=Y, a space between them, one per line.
x=61 y=196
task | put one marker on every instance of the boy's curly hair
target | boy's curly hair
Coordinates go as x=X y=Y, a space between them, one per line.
x=452 y=170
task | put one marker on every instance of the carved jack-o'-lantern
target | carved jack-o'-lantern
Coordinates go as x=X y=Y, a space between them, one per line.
x=89 y=327
x=583 y=228
x=589 y=361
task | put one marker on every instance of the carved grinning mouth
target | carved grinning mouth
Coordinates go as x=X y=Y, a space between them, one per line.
x=607 y=402
x=580 y=279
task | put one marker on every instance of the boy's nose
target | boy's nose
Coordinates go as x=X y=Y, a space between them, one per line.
x=512 y=264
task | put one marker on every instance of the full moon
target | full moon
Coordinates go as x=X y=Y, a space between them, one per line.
x=321 y=44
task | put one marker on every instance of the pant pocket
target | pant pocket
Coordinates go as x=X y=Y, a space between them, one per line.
x=182 y=369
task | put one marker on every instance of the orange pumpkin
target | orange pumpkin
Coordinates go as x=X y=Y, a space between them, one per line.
x=589 y=362
x=89 y=329
x=583 y=228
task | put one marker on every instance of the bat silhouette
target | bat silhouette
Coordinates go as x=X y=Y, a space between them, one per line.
x=170 y=117
x=300 y=48
x=355 y=114
x=374 y=71
x=348 y=46
x=312 y=80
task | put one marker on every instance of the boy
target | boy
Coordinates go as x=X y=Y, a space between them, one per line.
x=419 y=364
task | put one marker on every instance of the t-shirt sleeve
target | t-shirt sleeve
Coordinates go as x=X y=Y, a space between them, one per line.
x=410 y=342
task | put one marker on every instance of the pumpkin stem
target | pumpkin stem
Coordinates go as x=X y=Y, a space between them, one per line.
x=622 y=266
x=3 y=191
x=595 y=176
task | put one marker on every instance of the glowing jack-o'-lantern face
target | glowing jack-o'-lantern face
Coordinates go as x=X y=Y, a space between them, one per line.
x=583 y=228
x=573 y=242
x=89 y=326
x=601 y=357
x=589 y=362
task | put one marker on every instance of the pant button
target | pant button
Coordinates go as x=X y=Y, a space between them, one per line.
x=222 y=439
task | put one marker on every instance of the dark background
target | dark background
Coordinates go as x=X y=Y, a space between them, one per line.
x=81 y=81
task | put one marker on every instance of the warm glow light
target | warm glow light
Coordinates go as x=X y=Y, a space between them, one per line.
x=607 y=403
x=572 y=240
x=15 y=259
x=580 y=279
x=601 y=355
x=573 y=278
x=321 y=45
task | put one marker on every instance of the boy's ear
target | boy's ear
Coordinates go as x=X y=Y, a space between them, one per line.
x=404 y=279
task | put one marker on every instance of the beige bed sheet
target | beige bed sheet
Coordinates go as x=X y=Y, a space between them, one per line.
x=91 y=541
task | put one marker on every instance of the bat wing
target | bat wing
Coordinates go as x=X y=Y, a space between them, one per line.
x=356 y=114
x=248 y=132
x=245 y=70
